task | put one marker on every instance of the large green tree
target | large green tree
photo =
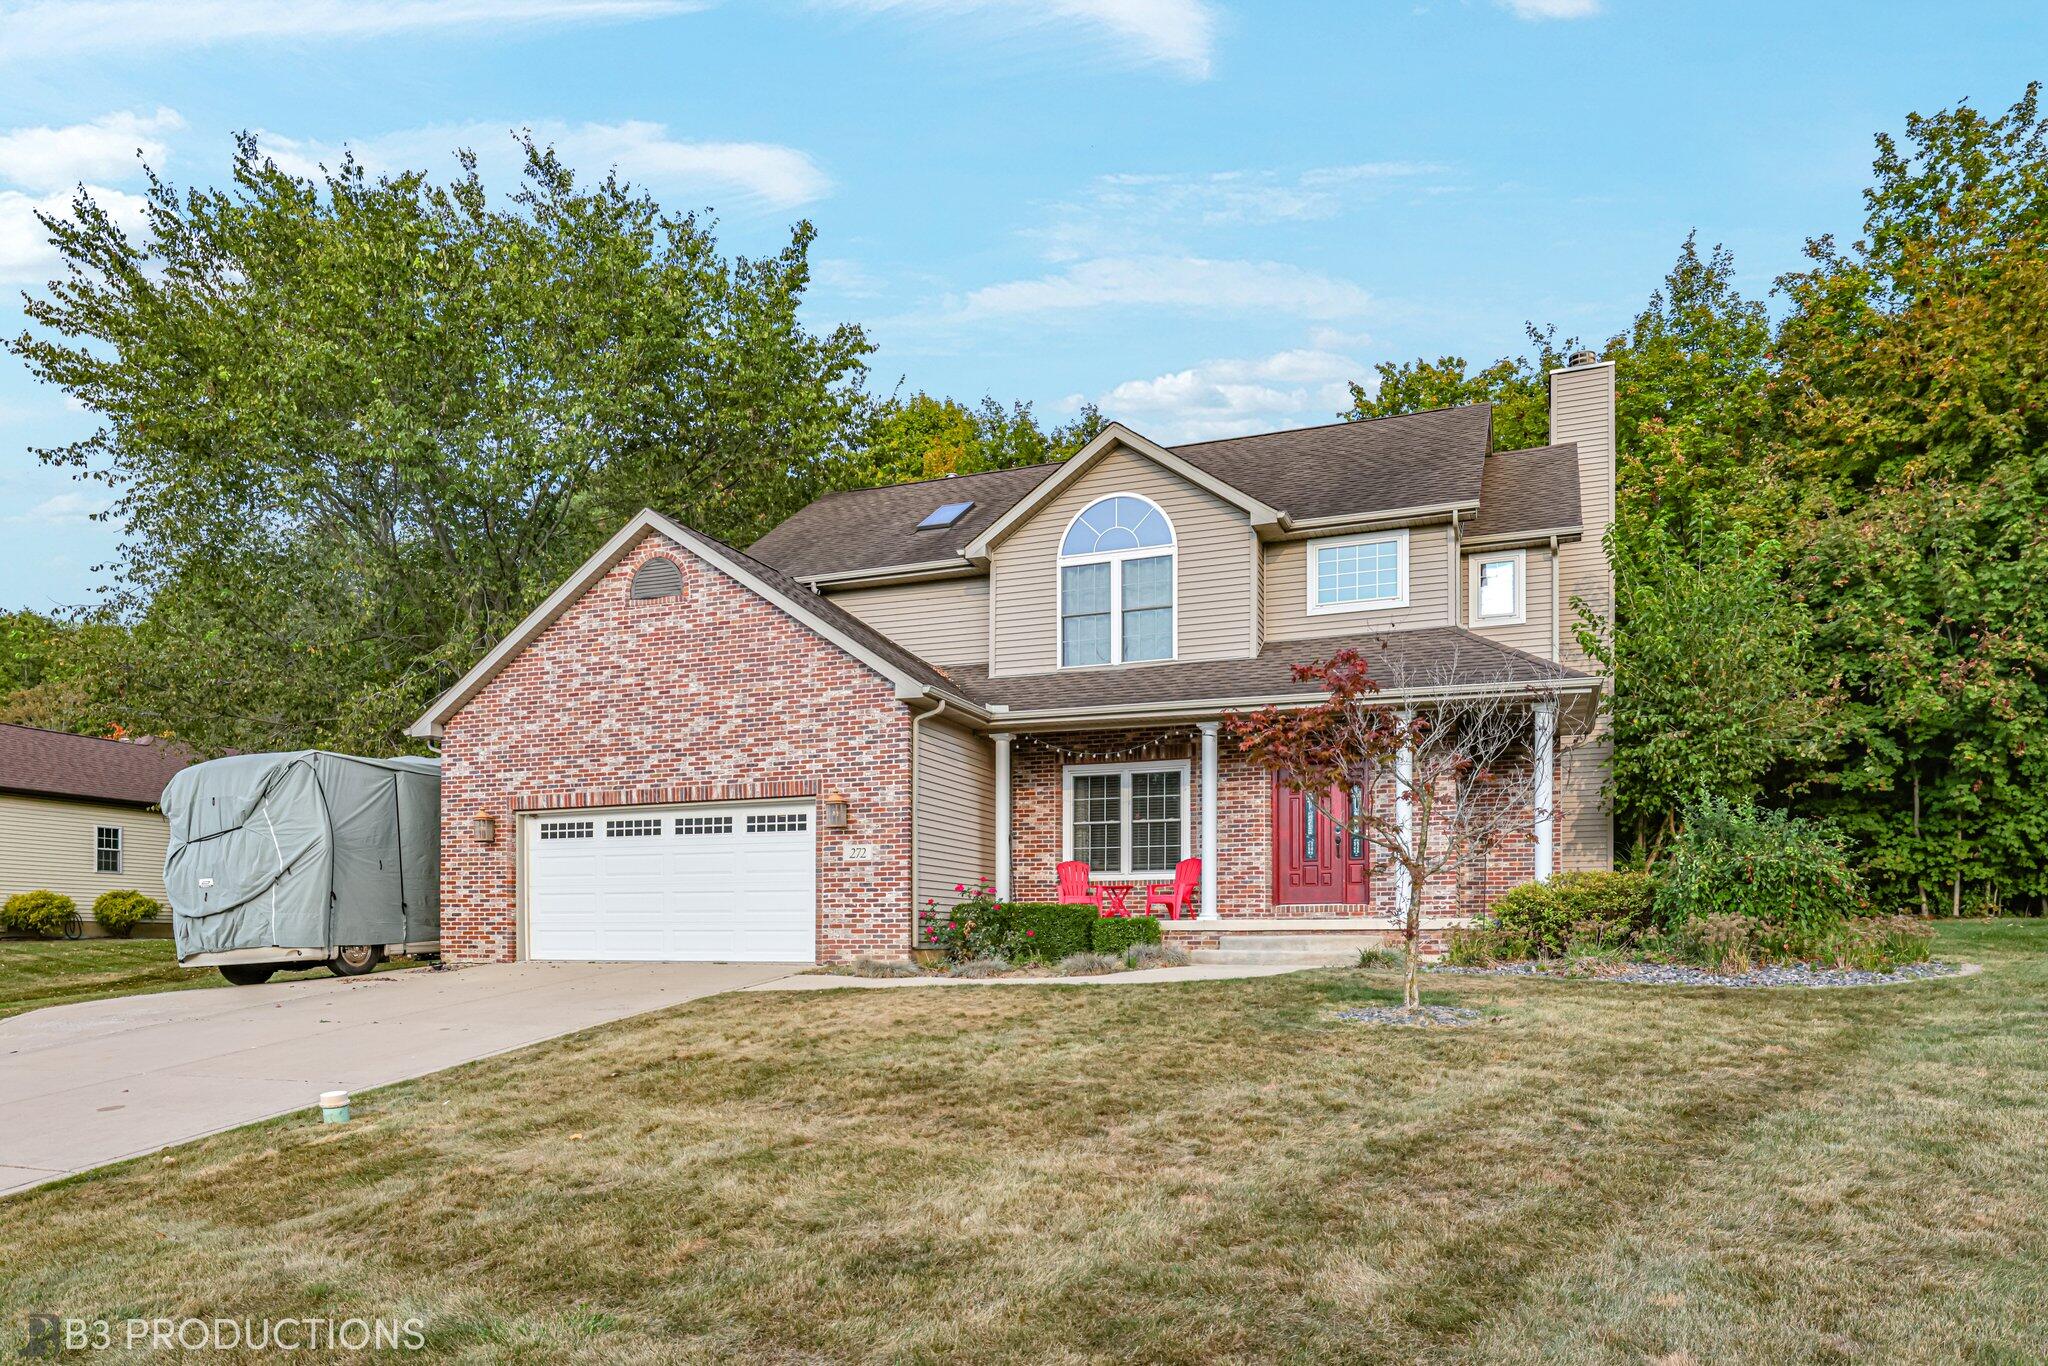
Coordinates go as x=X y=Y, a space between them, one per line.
x=922 y=437
x=1912 y=408
x=358 y=426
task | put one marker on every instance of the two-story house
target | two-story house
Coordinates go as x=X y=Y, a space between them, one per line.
x=787 y=754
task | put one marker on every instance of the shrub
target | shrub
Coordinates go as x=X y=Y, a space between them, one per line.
x=40 y=912
x=1115 y=934
x=1088 y=964
x=1156 y=956
x=120 y=912
x=1882 y=943
x=1379 y=958
x=1769 y=867
x=1482 y=946
x=1047 y=931
x=1590 y=909
x=977 y=927
x=878 y=967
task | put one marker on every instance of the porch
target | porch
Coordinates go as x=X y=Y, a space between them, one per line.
x=1132 y=801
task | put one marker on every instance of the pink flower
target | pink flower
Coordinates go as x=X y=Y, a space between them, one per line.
x=1030 y=933
x=959 y=886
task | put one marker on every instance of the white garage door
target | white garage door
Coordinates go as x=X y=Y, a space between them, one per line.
x=687 y=884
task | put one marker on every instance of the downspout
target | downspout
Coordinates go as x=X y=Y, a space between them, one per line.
x=1457 y=577
x=1555 y=656
x=916 y=724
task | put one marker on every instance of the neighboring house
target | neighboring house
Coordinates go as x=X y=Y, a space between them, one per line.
x=79 y=815
x=785 y=754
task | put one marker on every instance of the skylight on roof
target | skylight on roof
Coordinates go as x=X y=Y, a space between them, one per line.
x=944 y=515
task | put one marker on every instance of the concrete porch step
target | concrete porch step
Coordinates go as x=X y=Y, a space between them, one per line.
x=1327 y=949
x=1322 y=958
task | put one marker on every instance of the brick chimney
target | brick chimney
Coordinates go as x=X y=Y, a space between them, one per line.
x=1582 y=413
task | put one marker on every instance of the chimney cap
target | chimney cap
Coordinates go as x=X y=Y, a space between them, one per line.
x=1579 y=358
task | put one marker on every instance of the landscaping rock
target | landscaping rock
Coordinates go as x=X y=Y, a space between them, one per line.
x=1680 y=975
x=1422 y=1017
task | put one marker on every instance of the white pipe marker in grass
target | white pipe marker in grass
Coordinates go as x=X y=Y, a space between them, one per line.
x=334 y=1107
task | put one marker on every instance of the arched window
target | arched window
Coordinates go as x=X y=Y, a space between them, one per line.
x=1116 y=584
x=658 y=578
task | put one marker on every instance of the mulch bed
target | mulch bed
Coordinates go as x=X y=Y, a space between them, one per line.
x=1422 y=1017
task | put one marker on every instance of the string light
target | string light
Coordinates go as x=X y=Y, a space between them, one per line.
x=1103 y=754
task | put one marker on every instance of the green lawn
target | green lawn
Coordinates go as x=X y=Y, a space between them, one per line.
x=1180 y=1173
x=54 y=972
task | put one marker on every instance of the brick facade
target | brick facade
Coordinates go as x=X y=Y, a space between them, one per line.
x=713 y=695
x=1244 y=830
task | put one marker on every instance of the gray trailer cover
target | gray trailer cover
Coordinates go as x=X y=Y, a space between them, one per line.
x=304 y=850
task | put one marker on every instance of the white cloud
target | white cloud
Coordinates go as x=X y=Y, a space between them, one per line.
x=42 y=28
x=26 y=256
x=1114 y=212
x=1180 y=34
x=104 y=149
x=1536 y=10
x=759 y=173
x=64 y=509
x=1191 y=283
x=1231 y=397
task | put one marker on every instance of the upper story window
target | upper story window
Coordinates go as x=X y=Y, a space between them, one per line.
x=1116 y=584
x=1499 y=593
x=1358 y=573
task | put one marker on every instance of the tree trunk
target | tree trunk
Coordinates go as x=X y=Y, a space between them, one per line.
x=1411 y=937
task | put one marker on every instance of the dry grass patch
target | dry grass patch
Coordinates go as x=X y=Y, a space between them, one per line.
x=1166 y=1173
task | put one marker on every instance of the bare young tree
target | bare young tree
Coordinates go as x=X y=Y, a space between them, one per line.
x=1445 y=766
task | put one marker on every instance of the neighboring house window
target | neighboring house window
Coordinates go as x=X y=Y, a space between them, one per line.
x=1116 y=584
x=1127 y=820
x=1498 y=590
x=106 y=849
x=1358 y=573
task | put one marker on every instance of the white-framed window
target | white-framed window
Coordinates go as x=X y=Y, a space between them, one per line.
x=106 y=849
x=1116 y=584
x=1499 y=588
x=1358 y=573
x=1127 y=820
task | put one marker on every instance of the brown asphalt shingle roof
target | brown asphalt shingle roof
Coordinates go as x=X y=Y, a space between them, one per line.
x=49 y=763
x=1339 y=469
x=1431 y=657
x=1533 y=490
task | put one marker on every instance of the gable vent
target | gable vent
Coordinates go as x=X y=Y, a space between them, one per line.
x=658 y=578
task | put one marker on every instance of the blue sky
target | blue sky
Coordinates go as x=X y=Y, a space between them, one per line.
x=1205 y=215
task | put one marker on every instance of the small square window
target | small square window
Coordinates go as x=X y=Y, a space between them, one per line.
x=703 y=825
x=631 y=829
x=568 y=830
x=791 y=823
x=1497 y=589
x=106 y=849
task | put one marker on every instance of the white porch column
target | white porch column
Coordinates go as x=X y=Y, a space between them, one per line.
x=1209 y=911
x=1404 y=812
x=1543 y=753
x=1002 y=815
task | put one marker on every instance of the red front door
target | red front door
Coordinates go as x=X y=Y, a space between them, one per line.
x=1317 y=858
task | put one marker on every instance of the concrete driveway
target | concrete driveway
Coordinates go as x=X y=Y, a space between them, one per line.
x=82 y=1085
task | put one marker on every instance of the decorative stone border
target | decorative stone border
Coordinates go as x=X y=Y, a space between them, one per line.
x=1680 y=975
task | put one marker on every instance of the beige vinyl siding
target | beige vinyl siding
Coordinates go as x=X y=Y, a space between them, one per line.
x=1585 y=822
x=1582 y=411
x=1285 y=588
x=944 y=621
x=1533 y=632
x=1212 y=569
x=956 y=811
x=49 y=842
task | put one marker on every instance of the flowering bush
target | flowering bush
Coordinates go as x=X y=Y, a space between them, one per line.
x=976 y=927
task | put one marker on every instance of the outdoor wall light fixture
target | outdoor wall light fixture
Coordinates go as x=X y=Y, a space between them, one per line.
x=485 y=829
x=832 y=810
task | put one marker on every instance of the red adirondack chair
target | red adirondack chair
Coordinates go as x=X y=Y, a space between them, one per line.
x=1177 y=895
x=1076 y=888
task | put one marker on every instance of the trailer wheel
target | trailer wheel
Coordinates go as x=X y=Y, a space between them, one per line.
x=353 y=960
x=247 y=974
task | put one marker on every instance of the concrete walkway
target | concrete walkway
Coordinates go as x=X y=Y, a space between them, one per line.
x=87 y=1084
x=1199 y=972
